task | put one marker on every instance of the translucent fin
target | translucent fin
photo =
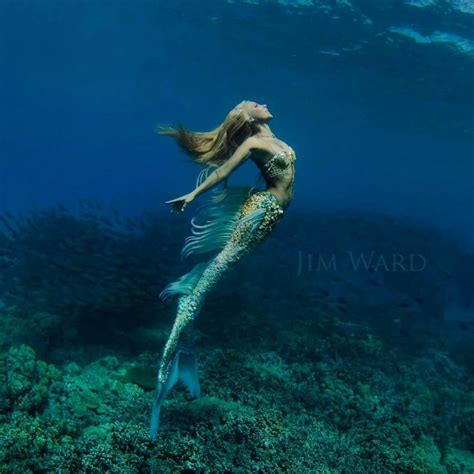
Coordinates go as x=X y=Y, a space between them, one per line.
x=184 y=368
x=161 y=392
x=202 y=176
x=212 y=228
x=219 y=196
x=188 y=373
x=255 y=218
x=185 y=284
x=217 y=222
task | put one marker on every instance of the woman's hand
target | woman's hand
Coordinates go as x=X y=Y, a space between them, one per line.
x=180 y=203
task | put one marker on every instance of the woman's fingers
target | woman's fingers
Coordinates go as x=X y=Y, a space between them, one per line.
x=181 y=202
x=177 y=204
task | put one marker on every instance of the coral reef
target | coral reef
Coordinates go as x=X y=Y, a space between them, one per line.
x=300 y=376
x=263 y=406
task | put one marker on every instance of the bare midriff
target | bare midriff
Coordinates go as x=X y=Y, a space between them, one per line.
x=283 y=195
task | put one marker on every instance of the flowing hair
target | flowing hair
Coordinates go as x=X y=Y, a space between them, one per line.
x=211 y=149
x=214 y=147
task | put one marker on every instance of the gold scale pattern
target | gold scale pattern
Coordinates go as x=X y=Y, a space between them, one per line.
x=244 y=239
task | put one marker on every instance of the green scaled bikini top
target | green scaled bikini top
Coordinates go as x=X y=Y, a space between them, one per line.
x=279 y=163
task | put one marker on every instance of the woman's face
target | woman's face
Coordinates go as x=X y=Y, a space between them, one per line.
x=257 y=111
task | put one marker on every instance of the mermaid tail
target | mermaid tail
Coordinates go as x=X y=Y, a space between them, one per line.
x=184 y=368
x=233 y=226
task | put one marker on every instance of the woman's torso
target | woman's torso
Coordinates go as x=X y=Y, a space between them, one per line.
x=276 y=161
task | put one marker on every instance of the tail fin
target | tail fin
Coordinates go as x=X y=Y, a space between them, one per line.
x=188 y=373
x=184 y=284
x=212 y=228
x=184 y=368
x=161 y=391
x=215 y=221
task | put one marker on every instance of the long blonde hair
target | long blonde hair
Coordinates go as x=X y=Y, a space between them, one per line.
x=214 y=147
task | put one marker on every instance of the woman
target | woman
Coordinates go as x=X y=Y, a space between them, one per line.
x=232 y=224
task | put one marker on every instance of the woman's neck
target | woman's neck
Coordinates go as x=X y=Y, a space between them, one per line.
x=263 y=130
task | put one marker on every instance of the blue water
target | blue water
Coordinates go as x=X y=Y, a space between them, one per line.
x=377 y=99
x=385 y=124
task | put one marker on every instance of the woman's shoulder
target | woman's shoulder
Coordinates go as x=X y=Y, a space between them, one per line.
x=253 y=142
x=257 y=144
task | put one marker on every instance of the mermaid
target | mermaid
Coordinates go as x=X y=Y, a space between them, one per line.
x=229 y=226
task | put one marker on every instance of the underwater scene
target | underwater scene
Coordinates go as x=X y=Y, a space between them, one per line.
x=237 y=236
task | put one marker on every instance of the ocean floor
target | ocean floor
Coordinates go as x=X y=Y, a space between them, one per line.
x=292 y=396
x=292 y=381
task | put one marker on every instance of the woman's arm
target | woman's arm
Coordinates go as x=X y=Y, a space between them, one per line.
x=222 y=172
x=238 y=157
